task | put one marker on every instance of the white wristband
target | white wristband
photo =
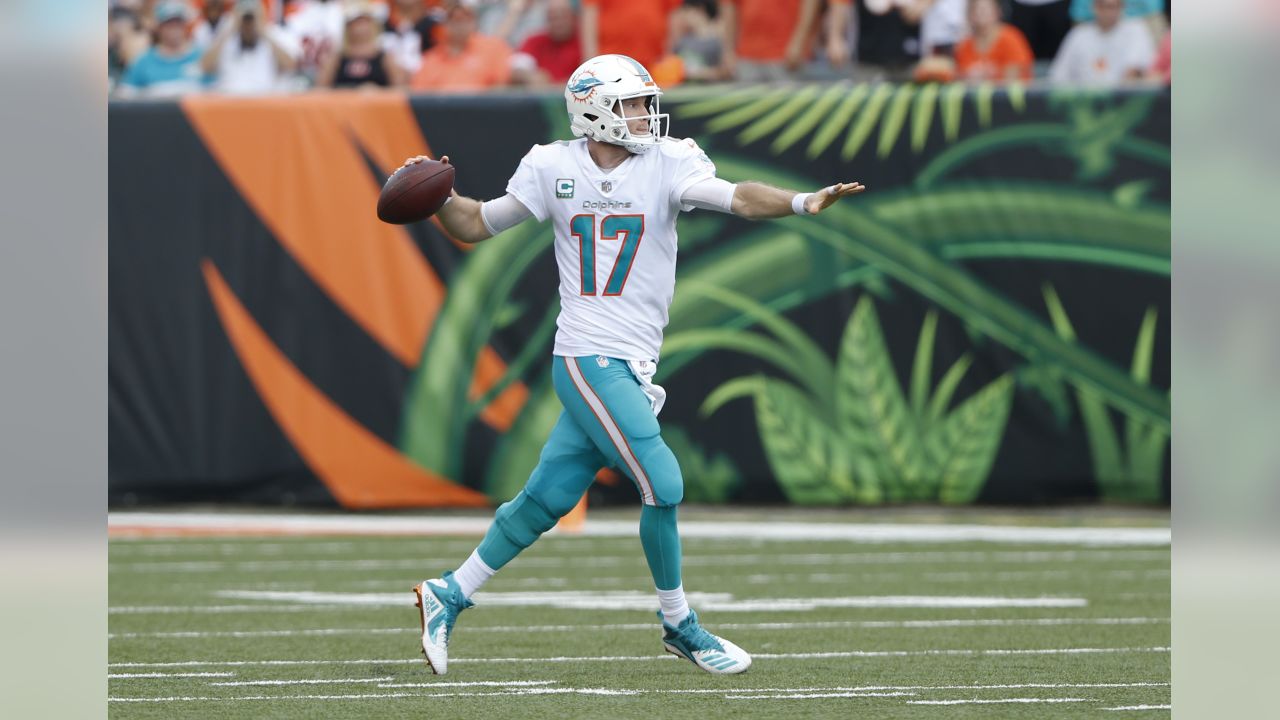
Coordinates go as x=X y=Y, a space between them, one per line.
x=797 y=203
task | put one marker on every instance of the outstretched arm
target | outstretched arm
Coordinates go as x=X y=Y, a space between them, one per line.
x=757 y=201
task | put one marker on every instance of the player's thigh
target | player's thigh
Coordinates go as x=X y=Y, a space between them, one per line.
x=607 y=401
x=568 y=464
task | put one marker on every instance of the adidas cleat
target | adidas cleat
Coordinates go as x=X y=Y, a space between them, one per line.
x=713 y=654
x=439 y=603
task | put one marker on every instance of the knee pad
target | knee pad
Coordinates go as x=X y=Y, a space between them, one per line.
x=664 y=472
x=523 y=520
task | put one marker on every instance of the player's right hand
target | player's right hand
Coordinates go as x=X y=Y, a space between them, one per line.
x=419 y=158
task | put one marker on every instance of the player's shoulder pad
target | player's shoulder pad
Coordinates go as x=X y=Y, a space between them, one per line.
x=548 y=154
x=681 y=148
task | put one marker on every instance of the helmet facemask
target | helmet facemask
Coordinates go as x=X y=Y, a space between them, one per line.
x=607 y=124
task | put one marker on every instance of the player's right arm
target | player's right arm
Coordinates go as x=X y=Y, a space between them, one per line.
x=469 y=220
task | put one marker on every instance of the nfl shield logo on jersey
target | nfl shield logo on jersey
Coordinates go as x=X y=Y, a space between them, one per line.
x=606 y=186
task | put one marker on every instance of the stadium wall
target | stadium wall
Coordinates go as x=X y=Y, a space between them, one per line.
x=988 y=323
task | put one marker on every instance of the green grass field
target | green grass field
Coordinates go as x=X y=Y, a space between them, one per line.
x=325 y=627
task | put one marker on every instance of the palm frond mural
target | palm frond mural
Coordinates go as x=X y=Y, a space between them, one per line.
x=1131 y=469
x=869 y=442
x=853 y=111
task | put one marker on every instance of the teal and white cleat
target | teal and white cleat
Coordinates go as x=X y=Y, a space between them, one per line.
x=439 y=603
x=713 y=654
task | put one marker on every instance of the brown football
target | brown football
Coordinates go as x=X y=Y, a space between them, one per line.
x=415 y=192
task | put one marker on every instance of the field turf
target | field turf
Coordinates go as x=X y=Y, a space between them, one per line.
x=304 y=627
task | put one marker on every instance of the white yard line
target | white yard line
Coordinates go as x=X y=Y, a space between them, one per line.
x=1141 y=707
x=308 y=681
x=807 y=696
x=218 y=609
x=649 y=627
x=998 y=701
x=926 y=688
x=477 y=683
x=380 y=696
x=124 y=523
x=642 y=658
x=161 y=676
x=634 y=600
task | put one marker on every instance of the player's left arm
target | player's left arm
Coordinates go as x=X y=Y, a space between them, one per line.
x=757 y=201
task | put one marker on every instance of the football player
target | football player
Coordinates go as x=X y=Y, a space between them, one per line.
x=613 y=196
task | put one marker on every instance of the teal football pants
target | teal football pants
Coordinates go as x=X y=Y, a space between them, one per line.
x=607 y=421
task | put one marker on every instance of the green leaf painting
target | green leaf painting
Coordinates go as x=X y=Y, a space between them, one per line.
x=869 y=444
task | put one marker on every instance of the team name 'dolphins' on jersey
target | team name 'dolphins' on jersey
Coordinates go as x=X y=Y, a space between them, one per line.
x=616 y=252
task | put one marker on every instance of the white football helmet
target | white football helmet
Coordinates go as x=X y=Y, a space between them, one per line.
x=594 y=94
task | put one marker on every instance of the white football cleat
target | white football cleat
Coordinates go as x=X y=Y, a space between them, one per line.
x=713 y=654
x=439 y=603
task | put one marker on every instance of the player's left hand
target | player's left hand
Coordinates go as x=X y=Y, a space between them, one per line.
x=827 y=196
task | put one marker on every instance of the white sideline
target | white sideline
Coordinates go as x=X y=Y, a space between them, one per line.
x=632 y=600
x=640 y=658
x=712 y=560
x=247 y=523
x=1141 y=707
x=648 y=627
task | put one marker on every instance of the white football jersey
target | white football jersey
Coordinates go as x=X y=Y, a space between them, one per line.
x=615 y=240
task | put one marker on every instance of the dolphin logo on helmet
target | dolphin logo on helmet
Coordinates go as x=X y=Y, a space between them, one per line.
x=593 y=97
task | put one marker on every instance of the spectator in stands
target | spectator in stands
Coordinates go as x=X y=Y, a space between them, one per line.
x=888 y=39
x=361 y=62
x=1162 y=67
x=172 y=66
x=699 y=41
x=409 y=33
x=249 y=54
x=627 y=27
x=550 y=57
x=1044 y=23
x=1111 y=51
x=511 y=21
x=942 y=25
x=213 y=17
x=465 y=60
x=767 y=40
x=317 y=26
x=126 y=42
x=993 y=51
x=1150 y=12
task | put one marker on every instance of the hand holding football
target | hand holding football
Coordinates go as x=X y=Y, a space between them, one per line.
x=416 y=191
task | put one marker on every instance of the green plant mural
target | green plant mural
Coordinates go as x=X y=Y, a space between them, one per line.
x=1130 y=469
x=868 y=441
x=846 y=431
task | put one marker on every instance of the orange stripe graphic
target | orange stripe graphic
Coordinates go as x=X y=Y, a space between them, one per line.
x=359 y=468
x=294 y=161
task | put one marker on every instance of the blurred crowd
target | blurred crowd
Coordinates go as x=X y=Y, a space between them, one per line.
x=160 y=48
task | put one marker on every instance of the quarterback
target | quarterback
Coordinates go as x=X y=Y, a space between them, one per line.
x=612 y=195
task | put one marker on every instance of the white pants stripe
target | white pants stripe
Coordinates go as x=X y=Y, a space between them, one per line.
x=611 y=428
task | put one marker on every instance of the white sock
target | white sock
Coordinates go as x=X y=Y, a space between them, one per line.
x=472 y=574
x=674 y=607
